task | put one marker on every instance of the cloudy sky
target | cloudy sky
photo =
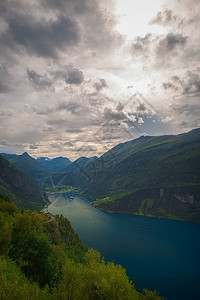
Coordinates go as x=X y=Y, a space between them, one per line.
x=80 y=76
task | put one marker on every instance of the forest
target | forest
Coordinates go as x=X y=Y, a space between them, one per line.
x=41 y=257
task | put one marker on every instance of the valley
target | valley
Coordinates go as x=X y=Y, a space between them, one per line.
x=136 y=186
x=153 y=176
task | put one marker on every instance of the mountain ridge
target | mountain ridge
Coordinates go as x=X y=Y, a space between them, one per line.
x=150 y=175
x=154 y=176
x=21 y=189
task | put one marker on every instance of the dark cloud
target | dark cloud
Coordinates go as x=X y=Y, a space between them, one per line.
x=120 y=107
x=109 y=114
x=184 y=124
x=55 y=145
x=189 y=84
x=141 y=107
x=169 y=85
x=49 y=28
x=39 y=82
x=42 y=111
x=69 y=144
x=151 y=49
x=71 y=107
x=43 y=37
x=141 y=45
x=74 y=130
x=57 y=122
x=176 y=79
x=33 y=147
x=74 y=76
x=193 y=88
x=187 y=109
x=100 y=85
x=169 y=43
x=78 y=6
x=192 y=85
x=165 y=18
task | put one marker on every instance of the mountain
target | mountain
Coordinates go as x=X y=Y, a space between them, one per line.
x=21 y=189
x=78 y=164
x=9 y=157
x=53 y=165
x=151 y=175
x=37 y=168
x=73 y=174
x=27 y=164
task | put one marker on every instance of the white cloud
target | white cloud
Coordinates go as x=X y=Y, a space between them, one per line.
x=65 y=69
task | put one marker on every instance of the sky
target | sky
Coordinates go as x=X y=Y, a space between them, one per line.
x=78 y=77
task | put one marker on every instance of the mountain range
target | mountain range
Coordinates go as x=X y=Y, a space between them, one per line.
x=151 y=175
x=37 y=168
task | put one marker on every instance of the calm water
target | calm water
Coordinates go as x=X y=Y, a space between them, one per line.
x=158 y=254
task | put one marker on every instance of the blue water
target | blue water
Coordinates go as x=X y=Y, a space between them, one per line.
x=157 y=254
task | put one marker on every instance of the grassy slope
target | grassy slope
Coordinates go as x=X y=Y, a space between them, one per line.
x=164 y=169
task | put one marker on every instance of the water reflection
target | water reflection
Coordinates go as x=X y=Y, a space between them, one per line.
x=158 y=254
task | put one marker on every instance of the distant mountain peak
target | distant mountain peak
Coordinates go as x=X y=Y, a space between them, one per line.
x=25 y=154
x=42 y=158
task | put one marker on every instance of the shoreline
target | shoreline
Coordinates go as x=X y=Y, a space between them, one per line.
x=130 y=213
x=143 y=215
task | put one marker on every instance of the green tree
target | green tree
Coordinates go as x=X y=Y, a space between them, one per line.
x=32 y=250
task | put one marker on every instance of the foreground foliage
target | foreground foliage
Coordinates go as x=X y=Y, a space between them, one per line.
x=42 y=258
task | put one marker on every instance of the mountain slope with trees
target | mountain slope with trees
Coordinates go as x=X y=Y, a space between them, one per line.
x=154 y=176
x=21 y=189
x=46 y=260
x=26 y=163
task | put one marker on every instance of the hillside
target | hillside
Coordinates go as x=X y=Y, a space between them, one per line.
x=41 y=257
x=26 y=163
x=21 y=189
x=154 y=176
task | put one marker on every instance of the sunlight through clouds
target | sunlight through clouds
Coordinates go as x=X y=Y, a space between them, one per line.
x=134 y=17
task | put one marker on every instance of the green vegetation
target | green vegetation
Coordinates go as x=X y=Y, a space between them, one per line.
x=21 y=189
x=47 y=260
x=146 y=205
x=66 y=191
x=165 y=169
x=153 y=176
x=51 y=189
